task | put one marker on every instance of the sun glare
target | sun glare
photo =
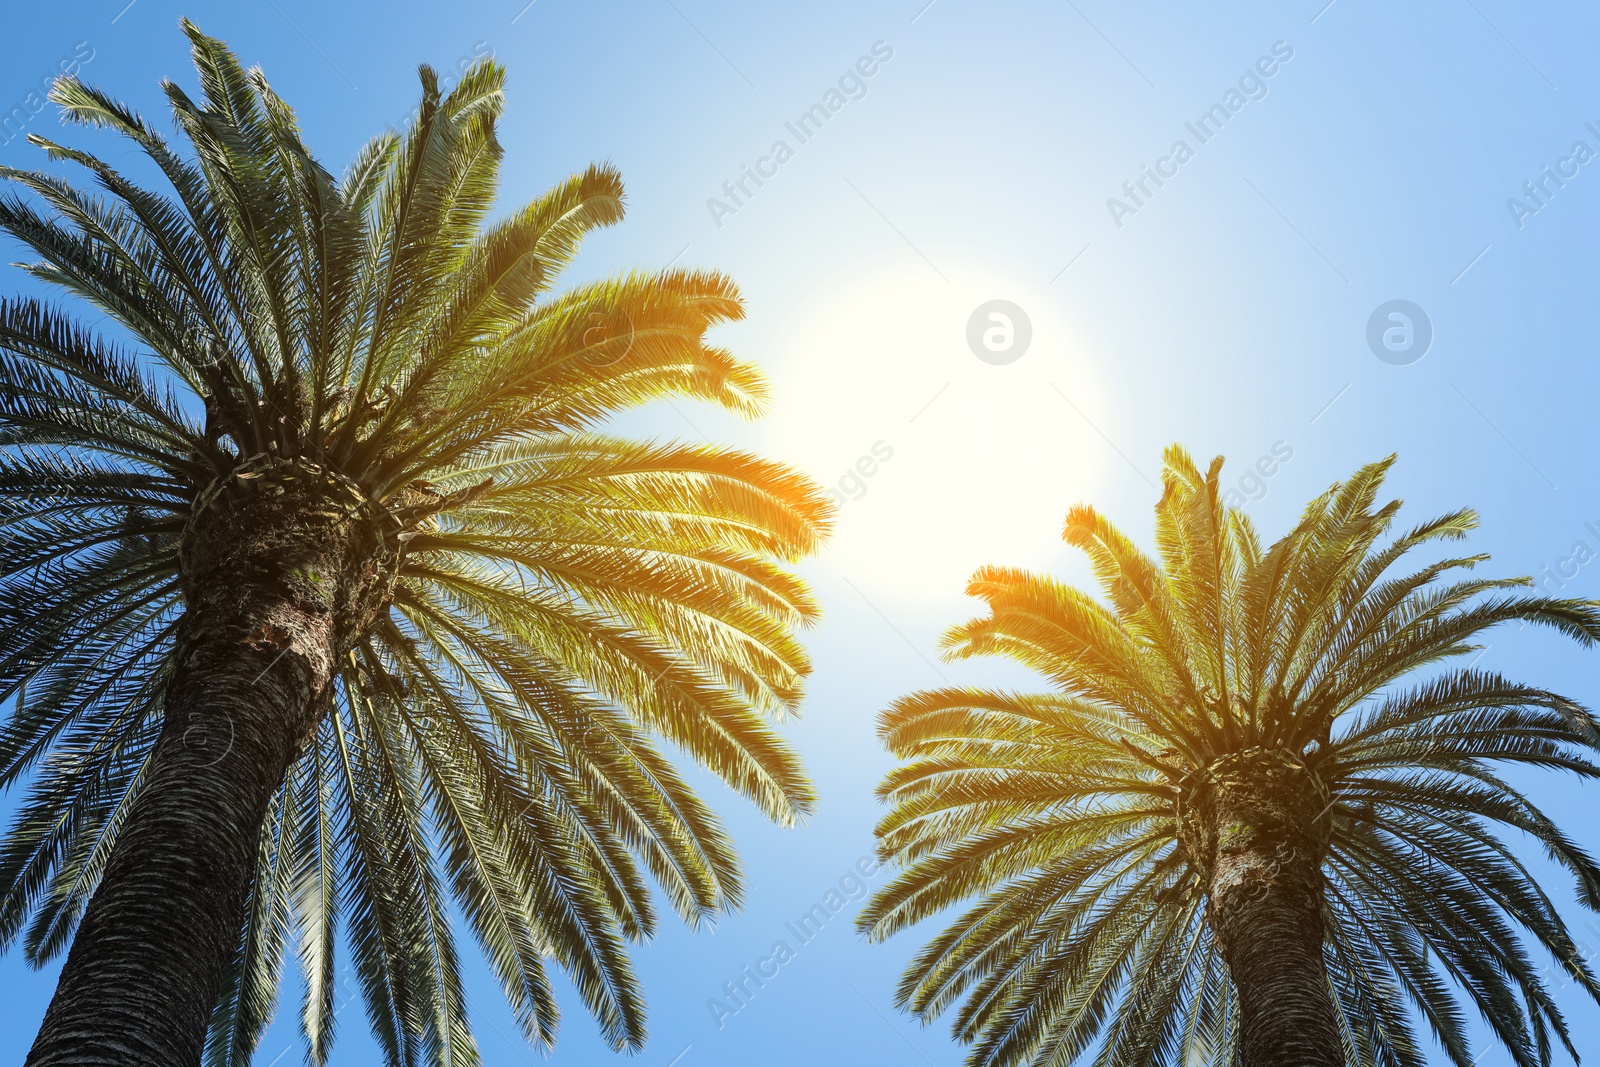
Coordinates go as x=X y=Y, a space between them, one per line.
x=946 y=418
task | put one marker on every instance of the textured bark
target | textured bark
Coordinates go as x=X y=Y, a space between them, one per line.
x=1255 y=824
x=282 y=564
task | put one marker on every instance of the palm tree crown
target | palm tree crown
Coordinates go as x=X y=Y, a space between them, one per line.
x=1232 y=732
x=534 y=606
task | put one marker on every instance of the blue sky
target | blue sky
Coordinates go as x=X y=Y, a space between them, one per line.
x=1383 y=158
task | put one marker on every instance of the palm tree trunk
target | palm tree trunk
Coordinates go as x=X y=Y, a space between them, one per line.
x=1256 y=829
x=1266 y=911
x=157 y=938
x=273 y=581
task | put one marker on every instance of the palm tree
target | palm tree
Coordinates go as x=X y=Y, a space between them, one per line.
x=1240 y=828
x=336 y=608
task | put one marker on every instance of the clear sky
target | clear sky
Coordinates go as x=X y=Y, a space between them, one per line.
x=1366 y=155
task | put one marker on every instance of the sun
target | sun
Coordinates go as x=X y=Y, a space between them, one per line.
x=951 y=412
